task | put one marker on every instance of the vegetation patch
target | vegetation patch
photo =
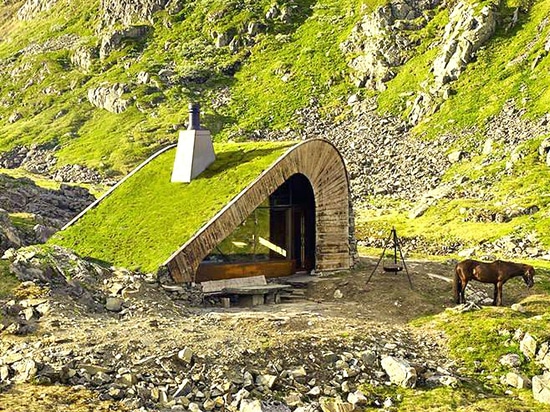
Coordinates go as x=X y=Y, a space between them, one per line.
x=8 y=281
x=148 y=218
x=476 y=341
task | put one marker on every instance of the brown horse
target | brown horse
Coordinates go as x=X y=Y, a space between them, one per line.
x=497 y=272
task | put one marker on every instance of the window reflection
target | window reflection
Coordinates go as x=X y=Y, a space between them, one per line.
x=250 y=241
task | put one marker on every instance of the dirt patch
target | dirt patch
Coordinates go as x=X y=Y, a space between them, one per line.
x=341 y=318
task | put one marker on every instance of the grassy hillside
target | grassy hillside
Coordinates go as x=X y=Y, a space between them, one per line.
x=148 y=218
x=284 y=55
x=489 y=190
x=179 y=53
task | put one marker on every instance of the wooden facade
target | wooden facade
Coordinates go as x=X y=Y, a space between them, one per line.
x=321 y=163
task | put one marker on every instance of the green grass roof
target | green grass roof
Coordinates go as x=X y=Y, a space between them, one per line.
x=148 y=218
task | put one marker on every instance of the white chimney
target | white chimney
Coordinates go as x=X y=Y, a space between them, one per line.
x=195 y=151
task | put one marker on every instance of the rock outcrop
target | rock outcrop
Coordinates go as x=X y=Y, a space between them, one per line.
x=116 y=39
x=468 y=29
x=9 y=235
x=127 y=12
x=109 y=97
x=31 y=8
x=83 y=58
x=381 y=41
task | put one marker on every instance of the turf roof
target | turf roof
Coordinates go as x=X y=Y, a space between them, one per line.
x=147 y=218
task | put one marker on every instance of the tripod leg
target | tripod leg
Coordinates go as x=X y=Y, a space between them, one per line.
x=404 y=264
x=381 y=257
x=376 y=267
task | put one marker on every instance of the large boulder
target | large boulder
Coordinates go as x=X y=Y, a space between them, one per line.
x=541 y=388
x=109 y=97
x=399 y=371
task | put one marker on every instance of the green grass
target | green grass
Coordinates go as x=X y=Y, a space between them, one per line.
x=450 y=220
x=501 y=71
x=148 y=218
x=468 y=397
x=476 y=341
x=8 y=282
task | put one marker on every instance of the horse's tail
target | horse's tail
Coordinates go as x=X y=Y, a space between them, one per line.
x=457 y=285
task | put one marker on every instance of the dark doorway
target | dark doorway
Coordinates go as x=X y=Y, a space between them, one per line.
x=292 y=221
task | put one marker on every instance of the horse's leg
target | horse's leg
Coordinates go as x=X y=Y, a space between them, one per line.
x=495 y=294
x=463 y=291
x=457 y=285
x=499 y=293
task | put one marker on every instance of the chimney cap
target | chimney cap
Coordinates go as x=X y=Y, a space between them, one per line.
x=194 y=116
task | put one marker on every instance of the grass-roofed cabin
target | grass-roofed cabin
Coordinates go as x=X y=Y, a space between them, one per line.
x=260 y=209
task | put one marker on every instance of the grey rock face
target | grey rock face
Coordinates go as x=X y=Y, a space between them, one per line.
x=109 y=97
x=381 y=42
x=31 y=8
x=114 y=40
x=83 y=58
x=465 y=33
x=126 y=12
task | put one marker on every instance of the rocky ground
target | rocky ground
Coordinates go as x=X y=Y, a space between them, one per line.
x=44 y=210
x=123 y=341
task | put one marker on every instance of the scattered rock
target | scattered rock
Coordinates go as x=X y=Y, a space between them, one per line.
x=335 y=405
x=516 y=380
x=518 y=307
x=512 y=360
x=185 y=355
x=528 y=346
x=399 y=371
x=114 y=304
x=541 y=388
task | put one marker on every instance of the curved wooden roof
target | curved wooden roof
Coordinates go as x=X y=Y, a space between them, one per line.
x=322 y=164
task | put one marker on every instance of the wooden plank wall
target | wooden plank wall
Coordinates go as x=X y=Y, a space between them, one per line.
x=323 y=165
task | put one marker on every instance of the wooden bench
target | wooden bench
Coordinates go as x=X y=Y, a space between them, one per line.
x=250 y=291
